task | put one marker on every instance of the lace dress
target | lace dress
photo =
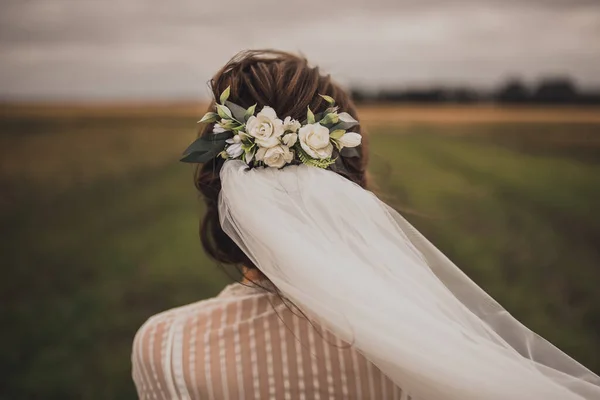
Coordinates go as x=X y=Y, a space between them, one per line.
x=247 y=343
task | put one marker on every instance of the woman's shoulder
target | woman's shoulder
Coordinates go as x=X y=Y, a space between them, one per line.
x=156 y=339
x=231 y=295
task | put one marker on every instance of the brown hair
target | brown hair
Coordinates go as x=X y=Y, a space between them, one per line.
x=289 y=85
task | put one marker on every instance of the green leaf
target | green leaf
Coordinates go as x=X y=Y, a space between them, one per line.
x=330 y=118
x=249 y=112
x=237 y=111
x=319 y=116
x=225 y=95
x=328 y=99
x=229 y=124
x=224 y=112
x=338 y=133
x=205 y=148
x=209 y=117
x=249 y=155
x=310 y=117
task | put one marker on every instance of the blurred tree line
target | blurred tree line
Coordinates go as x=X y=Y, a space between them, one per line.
x=552 y=90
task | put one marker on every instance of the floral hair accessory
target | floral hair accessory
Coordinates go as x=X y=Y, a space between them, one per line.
x=266 y=140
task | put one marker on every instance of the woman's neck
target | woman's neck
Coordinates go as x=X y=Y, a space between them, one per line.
x=252 y=275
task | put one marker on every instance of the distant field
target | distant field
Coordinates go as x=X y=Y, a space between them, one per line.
x=99 y=226
x=370 y=114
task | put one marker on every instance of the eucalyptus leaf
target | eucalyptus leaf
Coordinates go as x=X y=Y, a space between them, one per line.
x=337 y=134
x=328 y=99
x=345 y=117
x=205 y=148
x=225 y=95
x=249 y=112
x=219 y=136
x=200 y=157
x=339 y=166
x=344 y=125
x=237 y=111
x=209 y=117
x=224 y=112
x=200 y=144
x=310 y=117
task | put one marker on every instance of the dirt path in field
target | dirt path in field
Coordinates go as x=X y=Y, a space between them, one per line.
x=369 y=114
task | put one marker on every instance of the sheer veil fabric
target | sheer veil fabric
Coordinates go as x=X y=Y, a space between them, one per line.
x=359 y=268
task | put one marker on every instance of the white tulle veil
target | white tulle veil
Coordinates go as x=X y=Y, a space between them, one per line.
x=359 y=268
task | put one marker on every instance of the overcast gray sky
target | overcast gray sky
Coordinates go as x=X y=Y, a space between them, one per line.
x=170 y=48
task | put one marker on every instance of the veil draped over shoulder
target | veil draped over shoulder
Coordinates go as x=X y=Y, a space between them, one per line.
x=359 y=268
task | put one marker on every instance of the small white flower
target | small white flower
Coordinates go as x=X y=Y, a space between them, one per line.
x=350 y=139
x=314 y=139
x=345 y=117
x=275 y=157
x=218 y=128
x=235 y=150
x=235 y=139
x=290 y=124
x=265 y=127
x=289 y=139
x=243 y=135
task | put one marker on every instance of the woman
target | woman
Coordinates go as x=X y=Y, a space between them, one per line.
x=342 y=298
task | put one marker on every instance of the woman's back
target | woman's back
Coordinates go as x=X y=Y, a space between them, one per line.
x=247 y=344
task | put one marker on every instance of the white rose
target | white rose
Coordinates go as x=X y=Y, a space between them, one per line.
x=276 y=156
x=289 y=139
x=235 y=150
x=314 y=139
x=290 y=124
x=265 y=127
x=350 y=139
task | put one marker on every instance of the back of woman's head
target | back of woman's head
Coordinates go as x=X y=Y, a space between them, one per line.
x=289 y=85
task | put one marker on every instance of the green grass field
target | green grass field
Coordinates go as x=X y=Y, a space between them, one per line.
x=99 y=231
